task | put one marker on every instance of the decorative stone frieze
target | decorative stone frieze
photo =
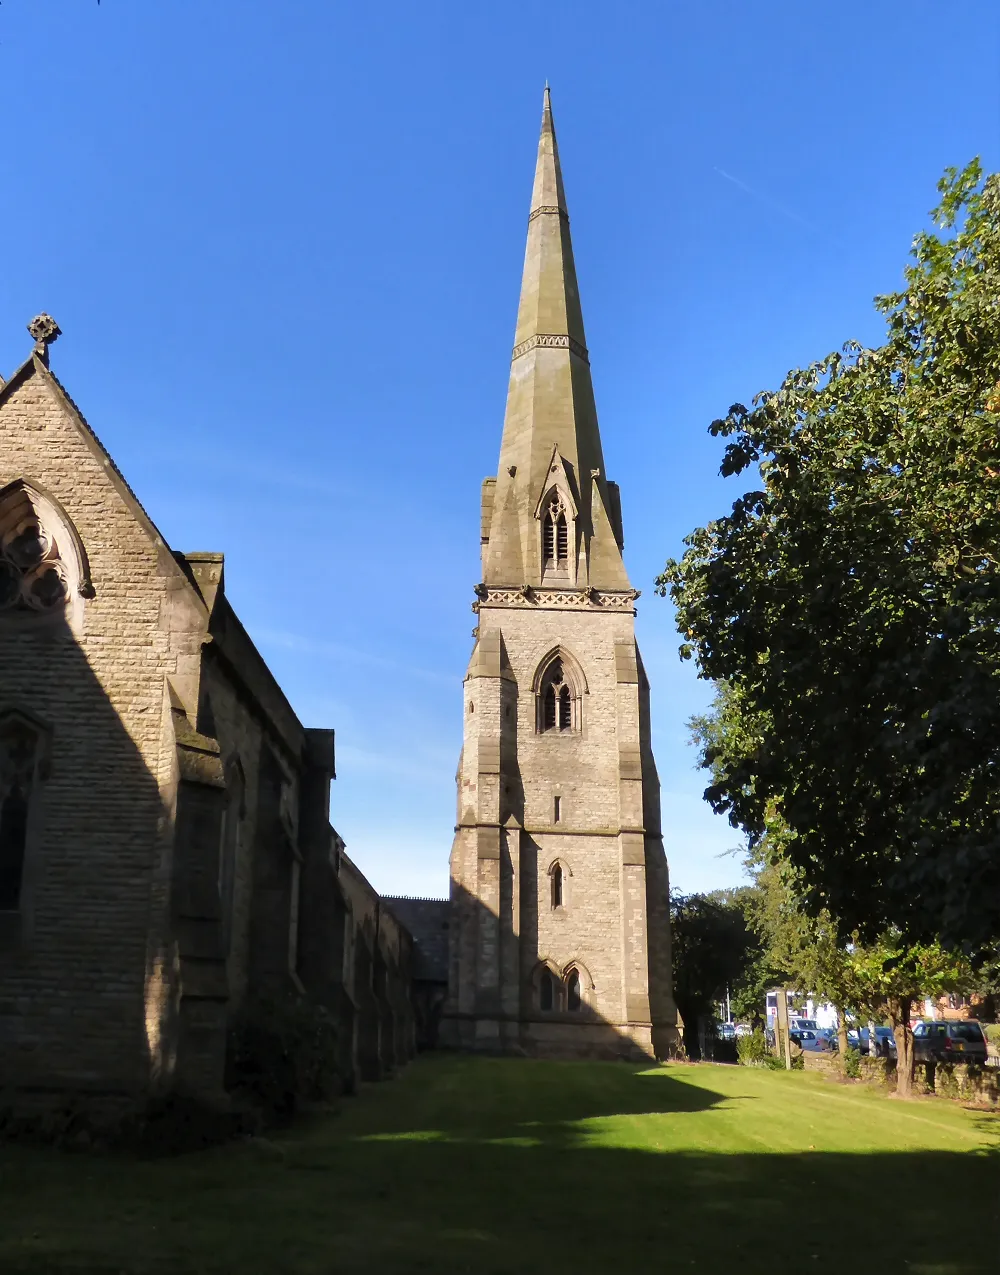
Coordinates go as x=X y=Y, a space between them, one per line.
x=556 y=599
x=548 y=208
x=551 y=341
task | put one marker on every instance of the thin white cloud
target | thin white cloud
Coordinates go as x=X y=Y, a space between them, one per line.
x=345 y=654
x=764 y=199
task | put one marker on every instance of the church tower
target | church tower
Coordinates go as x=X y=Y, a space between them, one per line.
x=560 y=938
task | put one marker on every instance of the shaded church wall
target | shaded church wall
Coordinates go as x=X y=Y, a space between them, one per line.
x=179 y=855
x=382 y=978
x=73 y=968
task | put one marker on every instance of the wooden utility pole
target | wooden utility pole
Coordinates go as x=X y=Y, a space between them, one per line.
x=782 y=1027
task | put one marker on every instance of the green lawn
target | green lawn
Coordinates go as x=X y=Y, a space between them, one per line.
x=490 y=1165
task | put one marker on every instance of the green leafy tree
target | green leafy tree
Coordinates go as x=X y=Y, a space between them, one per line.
x=851 y=603
x=878 y=980
x=713 y=948
x=886 y=977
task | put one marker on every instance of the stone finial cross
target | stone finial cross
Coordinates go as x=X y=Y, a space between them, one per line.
x=45 y=330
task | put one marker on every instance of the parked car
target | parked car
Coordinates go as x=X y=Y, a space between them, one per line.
x=726 y=1031
x=885 y=1042
x=809 y=1040
x=853 y=1039
x=949 y=1042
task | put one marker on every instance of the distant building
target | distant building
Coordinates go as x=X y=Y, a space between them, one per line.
x=560 y=939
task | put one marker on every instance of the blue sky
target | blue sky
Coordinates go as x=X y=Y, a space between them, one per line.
x=284 y=239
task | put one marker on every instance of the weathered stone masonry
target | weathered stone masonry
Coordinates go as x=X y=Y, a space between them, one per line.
x=165 y=847
x=560 y=940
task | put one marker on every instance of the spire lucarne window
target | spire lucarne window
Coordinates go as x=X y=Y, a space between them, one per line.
x=555 y=537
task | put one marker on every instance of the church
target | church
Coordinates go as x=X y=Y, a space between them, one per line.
x=166 y=854
x=560 y=930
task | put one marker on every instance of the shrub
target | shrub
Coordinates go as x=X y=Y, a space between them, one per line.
x=163 y=1124
x=752 y=1050
x=282 y=1053
x=852 y=1063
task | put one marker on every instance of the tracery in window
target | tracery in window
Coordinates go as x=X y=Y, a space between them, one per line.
x=558 y=691
x=555 y=536
x=19 y=747
x=41 y=562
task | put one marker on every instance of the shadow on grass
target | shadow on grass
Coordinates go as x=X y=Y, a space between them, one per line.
x=519 y=1169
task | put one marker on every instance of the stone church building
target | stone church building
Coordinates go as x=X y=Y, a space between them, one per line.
x=559 y=898
x=166 y=854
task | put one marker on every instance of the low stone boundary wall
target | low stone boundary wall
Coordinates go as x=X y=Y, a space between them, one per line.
x=826 y=1064
x=962 y=1081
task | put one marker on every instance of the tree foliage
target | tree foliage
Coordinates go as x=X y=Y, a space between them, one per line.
x=851 y=603
x=714 y=947
x=877 y=980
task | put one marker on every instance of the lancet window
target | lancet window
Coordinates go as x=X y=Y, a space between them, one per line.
x=555 y=536
x=574 y=1001
x=558 y=694
x=557 y=886
x=19 y=750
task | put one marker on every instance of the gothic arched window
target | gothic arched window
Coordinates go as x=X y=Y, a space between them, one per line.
x=558 y=697
x=19 y=749
x=574 y=1001
x=557 y=886
x=555 y=536
x=546 y=992
x=42 y=565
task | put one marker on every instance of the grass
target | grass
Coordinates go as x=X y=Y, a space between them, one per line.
x=495 y=1165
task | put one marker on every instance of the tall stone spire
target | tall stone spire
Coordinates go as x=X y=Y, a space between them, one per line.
x=559 y=930
x=550 y=435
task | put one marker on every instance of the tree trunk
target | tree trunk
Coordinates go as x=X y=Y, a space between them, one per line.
x=843 y=1044
x=899 y=1016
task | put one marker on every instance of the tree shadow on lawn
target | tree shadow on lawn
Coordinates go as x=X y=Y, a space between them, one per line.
x=498 y=1169
x=528 y=1186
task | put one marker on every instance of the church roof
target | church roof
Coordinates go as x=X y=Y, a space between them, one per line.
x=427 y=921
x=550 y=430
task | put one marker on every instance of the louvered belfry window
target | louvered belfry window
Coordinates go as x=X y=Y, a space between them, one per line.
x=555 y=535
